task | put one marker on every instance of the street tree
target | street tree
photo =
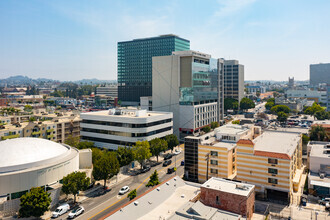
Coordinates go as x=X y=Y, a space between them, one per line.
x=75 y=182
x=269 y=105
x=280 y=108
x=125 y=155
x=321 y=115
x=230 y=103
x=96 y=154
x=34 y=203
x=246 y=103
x=206 y=129
x=318 y=133
x=282 y=116
x=214 y=124
x=28 y=108
x=132 y=194
x=172 y=141
x=85 y=145
x=141 y=151
x=153 y=179
x=106 y=167
x=157 y=146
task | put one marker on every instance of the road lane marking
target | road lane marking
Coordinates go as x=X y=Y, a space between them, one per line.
x=125 y=197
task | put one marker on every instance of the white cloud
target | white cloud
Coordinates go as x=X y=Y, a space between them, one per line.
x=230 y=7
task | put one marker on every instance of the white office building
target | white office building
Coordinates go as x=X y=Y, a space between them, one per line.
x=124 y=126
x=317 y=96
x=109 y=90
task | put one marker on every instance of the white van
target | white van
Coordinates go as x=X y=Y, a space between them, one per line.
x=63 y=208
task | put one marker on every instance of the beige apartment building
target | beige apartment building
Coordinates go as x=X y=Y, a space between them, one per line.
x=272 y=162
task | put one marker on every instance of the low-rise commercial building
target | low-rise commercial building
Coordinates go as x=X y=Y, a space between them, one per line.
x=255 y=89
x=229 y=196
x=124 y=126
x=272 y=162
x=317 y=96
x=319 y=167
x=109 y=90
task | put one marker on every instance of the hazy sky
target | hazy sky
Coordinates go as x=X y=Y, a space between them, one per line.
x=70 y=40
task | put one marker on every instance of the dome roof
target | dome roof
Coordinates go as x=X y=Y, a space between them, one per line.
x=23 y=153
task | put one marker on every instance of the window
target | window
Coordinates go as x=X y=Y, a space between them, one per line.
x=272 y=171
x=214 y=171
x=214 y=162
x=214 y=153
x=217 y=200
x=272 y=161
x=272 y=180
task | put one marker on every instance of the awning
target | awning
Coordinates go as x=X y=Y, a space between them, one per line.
x=319 y=183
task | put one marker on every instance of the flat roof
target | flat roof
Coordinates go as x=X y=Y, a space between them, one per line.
x=154 y=38
x=228 y=186
x=277 y=142
x=163 y=202
x=223 y=144
x=318 y=149
x=231 y=129
x=128 y=113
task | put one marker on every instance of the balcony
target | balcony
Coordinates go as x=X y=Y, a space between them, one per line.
x=10 y=136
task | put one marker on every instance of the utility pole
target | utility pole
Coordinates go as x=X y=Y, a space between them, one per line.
x=207 y=158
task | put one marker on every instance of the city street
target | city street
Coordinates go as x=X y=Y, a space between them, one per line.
x=100 y=206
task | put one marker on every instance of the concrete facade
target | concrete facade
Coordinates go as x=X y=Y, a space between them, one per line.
x=319 y=73
x=233 y=80
x=124 y=127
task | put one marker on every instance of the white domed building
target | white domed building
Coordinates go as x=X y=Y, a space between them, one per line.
x=33 y=162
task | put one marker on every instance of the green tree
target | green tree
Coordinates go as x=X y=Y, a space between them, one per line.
x=280 y=108
x=269 y=105
x=305 y=139
x=321 y=115
x=172 y=141
x=132 y=194
x=106 y=167
x=258 y=94
x=72 y=141
x=32 y=118
x=246 y=103
x=271 y=100
x=214 y=124
x=34 y=203
x=96 y=154
x=230 y=103
x=313 y=109
x=141 y=151
x=28 y=108
x=153 y=179
x=75 y=182
x=85 y=145
x=125 y=155
x=206 y=129
x=157 y=146
x=282 y=116
x=235 y=122
x=318 y=133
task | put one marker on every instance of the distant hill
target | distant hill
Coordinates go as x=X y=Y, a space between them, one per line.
x=20 y=80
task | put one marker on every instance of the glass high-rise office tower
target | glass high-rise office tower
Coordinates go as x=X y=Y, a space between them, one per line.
x=135 y=64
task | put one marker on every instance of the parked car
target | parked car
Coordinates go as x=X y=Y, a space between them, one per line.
x=123 y=190
x=167 y=162
x=177 y=151
x=62 y=209
x=145 y=169
x=76 y=211
x=167 y=156
x=324 y=201
x=182 y=163
x=170 y=170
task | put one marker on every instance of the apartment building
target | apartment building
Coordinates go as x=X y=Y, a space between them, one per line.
x=233 y=80
x=55 y=128
x=272 y=162
x=189 y=84
x=214 y=154
x=124 y=126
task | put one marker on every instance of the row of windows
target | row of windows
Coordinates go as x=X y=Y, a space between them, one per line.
x=126 y=134
x=119 y=143
x=126 y=125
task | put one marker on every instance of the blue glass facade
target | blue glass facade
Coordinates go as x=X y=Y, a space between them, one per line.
x=204 y=83
x=135 y=64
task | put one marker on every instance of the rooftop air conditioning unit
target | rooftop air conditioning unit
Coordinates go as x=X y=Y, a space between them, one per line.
x=322 y=175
